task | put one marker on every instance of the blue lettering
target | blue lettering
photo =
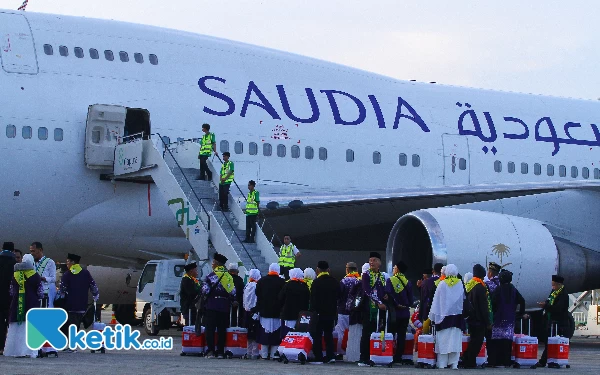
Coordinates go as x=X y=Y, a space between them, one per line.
x=130 y=339
x=286 y=106
x=94 y=340
x=218 y=95
x=378 y=113
x=362 y=112
x=76 y=338
x=264 y=103
x=108 y=335
x=414 y=116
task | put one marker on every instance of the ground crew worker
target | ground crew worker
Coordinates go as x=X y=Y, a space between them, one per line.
x=225 y=181
x=208 y=145
x=287 y=256
x=251 y=212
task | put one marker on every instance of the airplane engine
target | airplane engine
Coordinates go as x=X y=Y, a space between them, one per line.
x=467 y=237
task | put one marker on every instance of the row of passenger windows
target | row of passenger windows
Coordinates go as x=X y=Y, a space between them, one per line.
x=93 y=53
x=537 y=170
x=309 y=152
x=27 y=133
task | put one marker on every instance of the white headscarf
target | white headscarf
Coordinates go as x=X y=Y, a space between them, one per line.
x=250 y=290
x=27 y=263
x=296 y=273
x=274 y=267
x=443 y=272
x=468 y=276
x=447 y=300
x=365 y=267
x=233 y=266
x=310 y=274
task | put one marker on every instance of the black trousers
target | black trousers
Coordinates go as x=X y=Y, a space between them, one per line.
x=477 y=335
x=401 y=325
x=4 y=314
x=369 y=326
x=251 y=227
x=224 y=196
x=204 y=170
x=323 y=328
x=216 y=321
x=285 y=271
x=73 y=318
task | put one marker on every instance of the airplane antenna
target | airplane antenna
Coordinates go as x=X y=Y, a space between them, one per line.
x=24 y=5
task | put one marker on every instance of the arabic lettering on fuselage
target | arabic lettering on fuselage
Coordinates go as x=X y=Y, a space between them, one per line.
x=477 y=131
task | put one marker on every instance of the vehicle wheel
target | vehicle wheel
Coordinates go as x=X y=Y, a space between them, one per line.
x=567 y=366
x=516 y=365
x=150 y=328
x=182 y=354
x=302 y=359
x=103 y=351
x=371 y=363
x=92 y=351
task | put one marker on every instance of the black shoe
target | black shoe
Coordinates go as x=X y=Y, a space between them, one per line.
x=540 y=364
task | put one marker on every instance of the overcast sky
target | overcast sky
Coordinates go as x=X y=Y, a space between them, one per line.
x=534 y=46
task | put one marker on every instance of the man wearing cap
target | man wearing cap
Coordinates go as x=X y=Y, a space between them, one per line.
x=480 y=320
x=189 y=292
x=268 y=306
x=400 y=291
x=556 y=309
x=237 y=312
x=225 y=181
x=323 y=301
x=46 y=268
x=74 y=287
x=493 y=281
x=220 y=292
x=7 y=264
x=344 y=306
x=427 y=292
x=373 y=287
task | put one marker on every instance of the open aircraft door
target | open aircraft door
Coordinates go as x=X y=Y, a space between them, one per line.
x=104 y=126
x=456 y=160
x=17 y=51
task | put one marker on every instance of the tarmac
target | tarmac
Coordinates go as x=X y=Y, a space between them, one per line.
x=584 y=358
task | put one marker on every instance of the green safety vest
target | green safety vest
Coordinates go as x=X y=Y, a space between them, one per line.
x=206 y=144
x=287 y=257
x=225 y=169
x=251 y=205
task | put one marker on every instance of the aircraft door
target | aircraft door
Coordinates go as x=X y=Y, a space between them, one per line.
x=105 y=125
x=456 y=160
x=17 y=50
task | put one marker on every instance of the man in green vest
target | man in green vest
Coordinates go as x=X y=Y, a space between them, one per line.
x=225 y=181
x=251 y=212
x=208 y=145
x=287 y=256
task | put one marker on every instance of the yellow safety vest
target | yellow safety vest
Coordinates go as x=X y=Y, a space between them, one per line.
x=287 y=257
x=251 y=205
x=225 y=169
x=206 y=144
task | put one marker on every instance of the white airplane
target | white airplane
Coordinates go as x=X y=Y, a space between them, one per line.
x=467 y=176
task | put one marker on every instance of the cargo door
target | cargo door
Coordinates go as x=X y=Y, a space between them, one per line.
x=17 y=50
x=105 y=125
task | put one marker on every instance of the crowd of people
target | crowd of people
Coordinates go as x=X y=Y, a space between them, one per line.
x=29 y=281
x=483 y=304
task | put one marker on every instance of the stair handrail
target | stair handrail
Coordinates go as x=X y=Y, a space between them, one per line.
x=200 y=200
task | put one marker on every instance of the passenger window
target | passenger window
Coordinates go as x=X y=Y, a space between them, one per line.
x=537 y=169
x=497 y=166
x=596 y=174
x=462 y=164
x=585 y=172
x=153 y=59
x=349 y=156
x=178 y=270
x=416 y=160
x=238 y=147
x=281 y=150
x=147 y=276
x=96 y=136
x=78 y=52
x=511 y=167
x=574 y=172
x=63 y=51
x=48 y=50
x=108 y=55
x=295 y=152
x=376 y=157
x=309 y=153
x=252 y=148
x=550 y=170
x=403 y=160
x=43 y=133
x=26 y=132
x=524 y=168
x=94 y=54
x=322 y=153
x=224 y=146
x=11 y=131
x=123 y=56
x=138 y=57
x=562 y=171
x=267 y=149
x=58 y=134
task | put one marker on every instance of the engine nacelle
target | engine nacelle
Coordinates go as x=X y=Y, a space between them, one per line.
x=467 y=237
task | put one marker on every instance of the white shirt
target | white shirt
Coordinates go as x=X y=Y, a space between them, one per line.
x=49 y=272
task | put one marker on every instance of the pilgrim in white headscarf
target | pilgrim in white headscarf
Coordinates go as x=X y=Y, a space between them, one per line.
x=309 y=276
x=252 y=319
x=294 y=298
x=446 y=314
x=269 y=308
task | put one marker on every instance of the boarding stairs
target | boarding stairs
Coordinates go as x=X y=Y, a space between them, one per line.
x=174 y=169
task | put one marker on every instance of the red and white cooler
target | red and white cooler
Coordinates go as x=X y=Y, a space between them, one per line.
x=236 y=342
x=382 y=348
x=558 y=350
x=409 y=344
x=481 y=356
x=525 y=348
x=295 y=347
x=192 y=344
x=426 y=356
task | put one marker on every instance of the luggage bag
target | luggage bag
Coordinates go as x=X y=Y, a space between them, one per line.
x=295 y=347
x=426 y=357
x=558 y=349
x=191 y=343
x=526 y=349
x=381 y=347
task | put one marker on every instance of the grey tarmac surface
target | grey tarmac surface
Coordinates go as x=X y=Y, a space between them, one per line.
x=584 y=359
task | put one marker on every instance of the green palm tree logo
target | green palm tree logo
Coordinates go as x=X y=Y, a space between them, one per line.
x=501 y=250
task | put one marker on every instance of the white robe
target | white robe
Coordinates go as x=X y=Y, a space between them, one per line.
x=49 y=272
x=15 y=345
